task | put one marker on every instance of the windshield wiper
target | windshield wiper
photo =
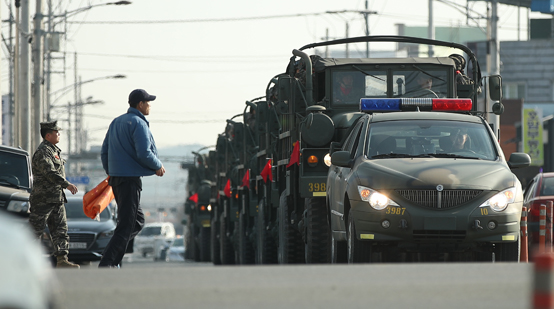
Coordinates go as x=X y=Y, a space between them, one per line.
x=451 y=155
x=11 y=184
x=390 y=155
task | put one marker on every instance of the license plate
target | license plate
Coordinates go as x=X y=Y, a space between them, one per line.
x=77 y=245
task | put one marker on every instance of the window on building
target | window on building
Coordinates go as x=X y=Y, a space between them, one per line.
x=513 y=90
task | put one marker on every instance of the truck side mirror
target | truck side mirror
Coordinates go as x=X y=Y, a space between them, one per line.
x=495 y=87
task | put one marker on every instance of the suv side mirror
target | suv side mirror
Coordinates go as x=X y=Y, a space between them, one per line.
x=519 y=159
x=341 y=158
x=495 y=87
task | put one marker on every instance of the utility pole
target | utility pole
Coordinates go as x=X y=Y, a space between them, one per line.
x=347 y=51
x=16 y=112
x=24 y=80
x=366 y=17
x=494 y=62
x=37 y=77
x=8 y=139
x=431 y=29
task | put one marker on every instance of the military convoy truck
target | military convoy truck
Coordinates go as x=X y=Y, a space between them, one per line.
x=198 y=208
x=272 y=161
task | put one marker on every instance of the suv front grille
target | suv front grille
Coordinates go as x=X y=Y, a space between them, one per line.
x=82 y=237
x=3 y=204
x=439 y=199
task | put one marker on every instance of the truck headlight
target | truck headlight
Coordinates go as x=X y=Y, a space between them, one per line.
x=375 y=199
x=500 y=201
x=327 y=160
x=18 y=206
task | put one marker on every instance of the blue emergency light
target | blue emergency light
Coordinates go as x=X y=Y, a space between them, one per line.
x=413 y=104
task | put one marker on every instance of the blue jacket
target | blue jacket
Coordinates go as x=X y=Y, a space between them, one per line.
x=129 y=149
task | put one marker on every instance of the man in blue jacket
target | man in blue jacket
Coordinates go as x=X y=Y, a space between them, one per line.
x=128 y=153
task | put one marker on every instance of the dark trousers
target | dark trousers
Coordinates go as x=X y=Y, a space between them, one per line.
x=130 y=218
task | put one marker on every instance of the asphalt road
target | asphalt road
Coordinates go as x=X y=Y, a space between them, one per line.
x=145 y=284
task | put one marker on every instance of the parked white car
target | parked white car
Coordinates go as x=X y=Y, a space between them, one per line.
x=151 y=235
x=176 y=252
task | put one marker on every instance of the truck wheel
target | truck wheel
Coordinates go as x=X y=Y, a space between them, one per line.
x=358 y=251
x=204 y=244
x=290 y=241
x=246 y=248
x=318 y=238
x=266 y=250
x=227 y=253
x=214 y=243
x=508 y=252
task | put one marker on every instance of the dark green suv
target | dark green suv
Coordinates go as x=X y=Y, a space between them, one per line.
x=15 y=180
x=423 y=185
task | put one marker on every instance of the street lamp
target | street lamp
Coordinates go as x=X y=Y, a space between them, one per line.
x=78 y=105
x=68 y=88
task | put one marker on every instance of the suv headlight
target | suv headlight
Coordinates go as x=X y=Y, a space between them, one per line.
x=500 y=201
x=18 y=206
x=106 y=234
x=375 y=199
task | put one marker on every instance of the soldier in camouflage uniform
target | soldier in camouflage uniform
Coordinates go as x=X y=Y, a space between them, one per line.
x=48 y=197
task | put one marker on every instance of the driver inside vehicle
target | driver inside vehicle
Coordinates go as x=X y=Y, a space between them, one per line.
x=421 y=88
x=458 y=140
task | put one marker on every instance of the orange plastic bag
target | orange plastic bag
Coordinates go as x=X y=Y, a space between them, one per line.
x=97 y=199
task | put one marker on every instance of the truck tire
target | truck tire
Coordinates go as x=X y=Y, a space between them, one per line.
x=214 y=242
x=359 y=251
x=226 y=246
x=246 y=248
x=508 y=252
x=266 y=250
x=204 y=240
x=318 y=232
x=290 y=241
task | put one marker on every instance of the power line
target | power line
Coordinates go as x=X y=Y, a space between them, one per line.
x=184 y=21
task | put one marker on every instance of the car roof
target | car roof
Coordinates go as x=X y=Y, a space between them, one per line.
x=13 y=150
x=425 y=116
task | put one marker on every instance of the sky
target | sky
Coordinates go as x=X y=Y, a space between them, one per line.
x=204 y=59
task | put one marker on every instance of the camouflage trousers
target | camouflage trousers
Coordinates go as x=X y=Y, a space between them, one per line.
x=53 y=215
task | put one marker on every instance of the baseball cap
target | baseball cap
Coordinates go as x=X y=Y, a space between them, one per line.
x=138 y=95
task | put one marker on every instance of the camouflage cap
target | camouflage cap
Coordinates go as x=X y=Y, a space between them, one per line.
x=53 y=125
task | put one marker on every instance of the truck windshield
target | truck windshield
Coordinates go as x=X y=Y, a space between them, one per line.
x=14 y=169
x=349 y=86
x=420 y=84
x=430 y=138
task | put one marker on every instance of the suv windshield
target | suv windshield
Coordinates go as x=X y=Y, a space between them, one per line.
x=74 y=211
x=430 y=138
x=151 y=231
x=14 y=170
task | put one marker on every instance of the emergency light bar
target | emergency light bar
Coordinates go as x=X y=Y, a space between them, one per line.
x=412 y=104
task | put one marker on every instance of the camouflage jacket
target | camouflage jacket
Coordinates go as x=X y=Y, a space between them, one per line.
x=48 y=175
